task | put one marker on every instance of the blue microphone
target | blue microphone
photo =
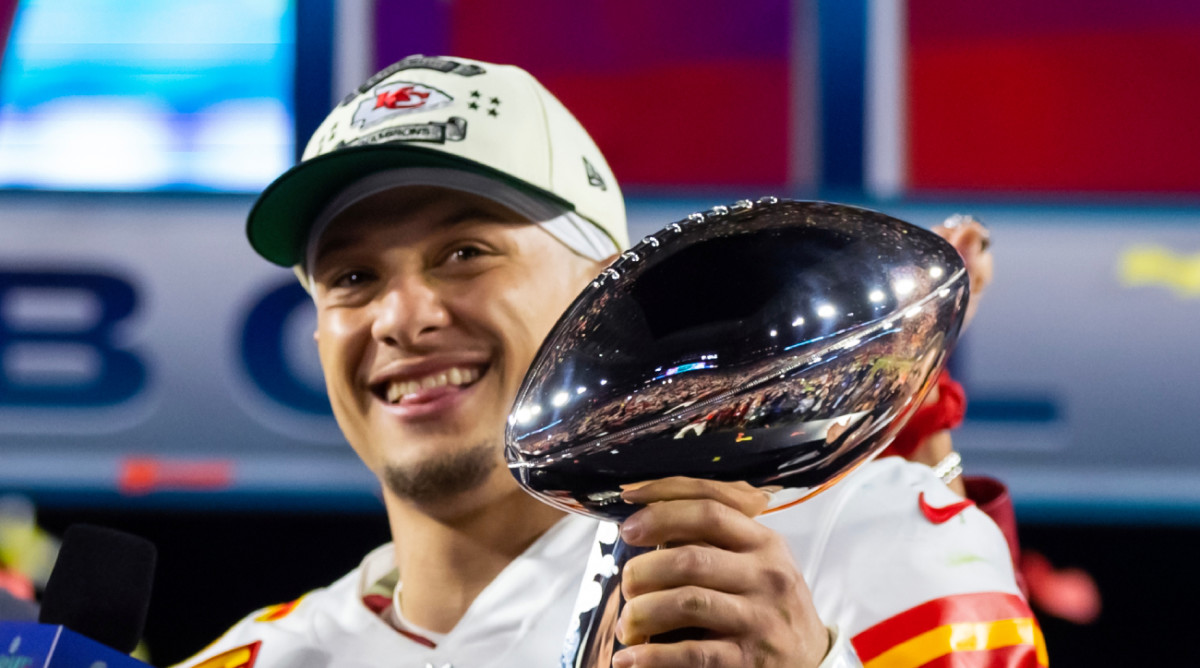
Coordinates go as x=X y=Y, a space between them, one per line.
x=28 y=644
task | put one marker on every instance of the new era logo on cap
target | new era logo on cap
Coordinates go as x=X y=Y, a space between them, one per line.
x=593 y=176
x=495 y=120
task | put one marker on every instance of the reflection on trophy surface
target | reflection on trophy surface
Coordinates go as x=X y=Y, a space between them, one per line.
x=775 y=342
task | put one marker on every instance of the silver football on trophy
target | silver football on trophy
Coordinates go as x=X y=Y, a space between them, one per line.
x=776 y=342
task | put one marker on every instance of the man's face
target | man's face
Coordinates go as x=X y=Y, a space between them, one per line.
x=431 y=304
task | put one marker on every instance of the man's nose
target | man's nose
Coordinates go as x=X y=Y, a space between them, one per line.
x=408 y=312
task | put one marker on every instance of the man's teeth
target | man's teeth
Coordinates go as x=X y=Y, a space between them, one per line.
x=453 y=376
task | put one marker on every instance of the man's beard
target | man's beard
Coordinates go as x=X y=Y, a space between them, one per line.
x=444 y=477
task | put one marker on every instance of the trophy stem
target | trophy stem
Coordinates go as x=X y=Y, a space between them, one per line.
x=592 y=642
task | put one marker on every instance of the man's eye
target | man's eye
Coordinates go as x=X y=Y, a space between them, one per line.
x=466 y=253
x=350 y=279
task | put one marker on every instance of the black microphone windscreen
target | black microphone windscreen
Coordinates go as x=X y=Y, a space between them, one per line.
x=100 y=585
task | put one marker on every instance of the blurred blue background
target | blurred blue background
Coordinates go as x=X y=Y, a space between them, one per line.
x=112 y=95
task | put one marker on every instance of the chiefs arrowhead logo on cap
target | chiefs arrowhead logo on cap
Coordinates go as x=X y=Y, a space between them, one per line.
x=398 y=98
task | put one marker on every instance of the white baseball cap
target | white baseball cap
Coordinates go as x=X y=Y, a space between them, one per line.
x=456 y=114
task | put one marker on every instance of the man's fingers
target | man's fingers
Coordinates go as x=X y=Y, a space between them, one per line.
x=698 y=565
x=683 y=607
x=686 y=654
x=743 y=496
x=691 y=521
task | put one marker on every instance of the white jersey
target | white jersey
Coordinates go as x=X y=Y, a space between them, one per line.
x=902 y=570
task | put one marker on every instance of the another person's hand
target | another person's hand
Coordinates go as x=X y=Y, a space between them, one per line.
x=973 y=243
x=721 y=571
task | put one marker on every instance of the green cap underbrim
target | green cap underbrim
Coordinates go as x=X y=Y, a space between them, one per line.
x=279 y=222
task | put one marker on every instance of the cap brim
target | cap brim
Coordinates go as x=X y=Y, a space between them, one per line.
x=278 y=224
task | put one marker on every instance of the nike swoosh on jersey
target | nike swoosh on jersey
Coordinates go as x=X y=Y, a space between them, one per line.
x=938 y=515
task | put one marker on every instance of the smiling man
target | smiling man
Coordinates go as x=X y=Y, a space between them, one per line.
x=443 y=217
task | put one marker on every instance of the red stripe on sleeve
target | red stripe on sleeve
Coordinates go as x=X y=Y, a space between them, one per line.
x=978 y=607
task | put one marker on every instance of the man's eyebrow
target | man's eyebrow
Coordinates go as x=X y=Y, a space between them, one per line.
x=478 y=213
x=334 y=243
